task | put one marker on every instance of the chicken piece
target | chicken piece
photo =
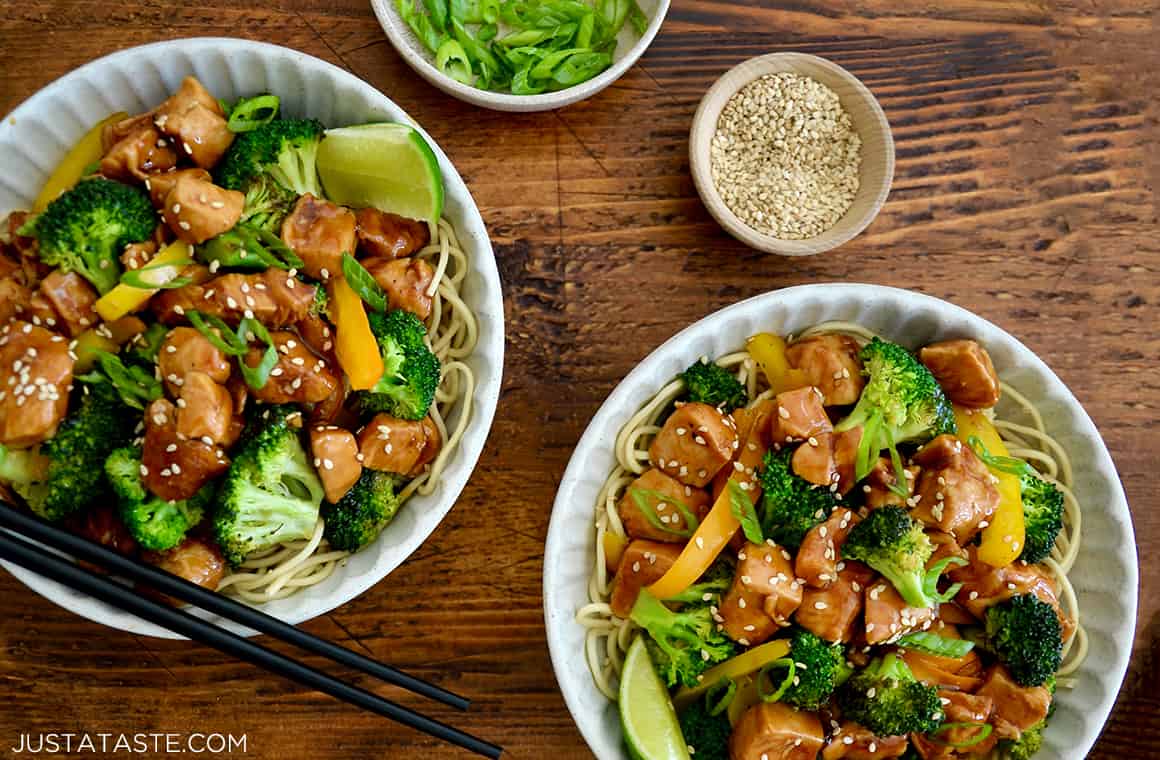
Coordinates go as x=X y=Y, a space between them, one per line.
x=985 y=586
x=36 y=373
x=197 y=210
x=663 y=497
x=954 y=492
x=878 y=483
x=743 y=616
x=272 y=297
x=642 y=564
x=817 y=557
x=828 y=459
x=401 y=446
x=696 y=441
x=776 y=731
x=137 y=255
x=888 y=616
x=405 y=281
x=964 y=371
x=111 y=134
x=319 y=336
x=800 y=415
x=24 y=249
x=831 y=612
x=173 y=467
x=1016 y=708
x=185 y=350
x=138 y=154
x=299 y=377
x=320 y=232
x=853 y=742
x=194 y=559
x=9 y=265
x=206 y=409
x=752 y=426
x=763 y=596
x=14 y=299
x=40 y=312
x=72 y=298
x=194 y=119
x=831 y=364
x=101 y=524
x=159 y=185
x=336 y=457
x=390 y=236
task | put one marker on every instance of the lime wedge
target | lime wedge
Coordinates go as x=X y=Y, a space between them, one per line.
x=387 y=166
x=647 y=716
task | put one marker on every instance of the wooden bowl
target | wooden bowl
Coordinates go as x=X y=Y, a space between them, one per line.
x=875 y=173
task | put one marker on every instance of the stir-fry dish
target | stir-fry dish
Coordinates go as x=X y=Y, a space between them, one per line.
x=208 y=362
x=830 y=546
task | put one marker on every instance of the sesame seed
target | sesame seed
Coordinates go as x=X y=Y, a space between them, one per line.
x=183 y=225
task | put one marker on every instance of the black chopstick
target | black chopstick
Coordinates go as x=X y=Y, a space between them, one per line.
x=32 y=557
x=28 y=526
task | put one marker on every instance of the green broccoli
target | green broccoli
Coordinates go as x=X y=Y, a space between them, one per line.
x=791 y=505
x=266 y=204
x=1025 y=633
x=710 y=587
x=271 y=493
x=1042 y=516
x=683 y=644
x=86 y=228
x=66 y=473
x=320 y=306
x=892 y=542
x=886 y=698
x=713 y=385
x=820 y=668
x=284 y=149
x=362 y=514
x=156 y=524
x=1029 y=742
x=411 y=371
x=901 y=402
x=247 y=248
x=707 y=734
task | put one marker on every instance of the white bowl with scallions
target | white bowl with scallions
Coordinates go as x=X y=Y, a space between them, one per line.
x=520 y=56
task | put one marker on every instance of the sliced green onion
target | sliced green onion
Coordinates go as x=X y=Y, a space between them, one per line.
x=284 y=256
x=930 y=580
x=135 y=278
x=940 y=646
x=250 y=113
x=452 y=60
x=900 y=486
x=1009 y=465
x=984 y=732
x=439 y=12
x=420 y=24
x=744 y=512
x=217 y=332
x=584 y=31
x=136 y=387
x=256 y=377
x=765 y=679
x=720 y=695
x=638 y=19
x=579 y=67
x=363 y=283
x=640 y=497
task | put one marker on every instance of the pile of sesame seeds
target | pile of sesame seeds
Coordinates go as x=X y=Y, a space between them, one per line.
x=785 y=156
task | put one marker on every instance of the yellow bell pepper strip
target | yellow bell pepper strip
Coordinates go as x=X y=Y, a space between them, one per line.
x=736 y=668
x=614 y=546
x=769 y=351
x=710 y=538
x=124 y=298
x=355 y=345
x=72 y=167
x=1003 y=537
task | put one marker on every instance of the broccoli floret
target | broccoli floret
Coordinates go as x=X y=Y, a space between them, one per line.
x=886 y=698
x=1042 y=516
x=1024 y=632
x=320 y=306
x=705 y=733
x=901 y=402
x=284 y=149
x=67 y=472
x=791 y=505
x=713 y=385
x=271 y=493
x=710 y=587
x=362 y=513
x=821 y=667
x=86 y=228
x=156 y=524
x=410 y=369
x=682 y=644
x=1029 y=742
x=267 y=203
x=892 y=542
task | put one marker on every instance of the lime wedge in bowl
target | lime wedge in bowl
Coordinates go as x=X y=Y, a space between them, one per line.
x=387 y=166
x=646 y=712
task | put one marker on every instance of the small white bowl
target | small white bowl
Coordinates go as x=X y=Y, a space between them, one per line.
x=629 y=48
x=1105 y=575
x=35 y=136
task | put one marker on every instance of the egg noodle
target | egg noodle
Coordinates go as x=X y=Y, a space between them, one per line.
x=452 y=332
x=608 y=636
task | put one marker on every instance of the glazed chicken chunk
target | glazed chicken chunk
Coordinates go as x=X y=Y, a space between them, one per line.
x=955 y=491
x=194 y=119
x=1017 y=708
x=300 y=376
x=159 y=185
x=390 y=236
x=406 y=282
x=197 y=210
x=319 y=232
x=776 y=731
x=272 y=297
x=336 y=458
x=696 y=441
x=36 y=373
x=964 y=370
x=137 y=155
x=817 y=557
x=660 y=495
x=172 y=467
x=15 y=298
x=185 y=350
x=800 y=415
x=641 y=564
x=194 y=559
x=853 y=742
x=831 y=612
x=72 y=298
x=827 y=459
x=764 y=594
x=206 y=409
x=831 y=364
x=402 y=446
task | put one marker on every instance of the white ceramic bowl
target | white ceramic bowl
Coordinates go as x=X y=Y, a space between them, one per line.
x=35 y=136
x=1104 y=576
x=629 y=47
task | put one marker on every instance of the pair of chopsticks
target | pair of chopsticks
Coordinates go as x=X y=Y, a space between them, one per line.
x=16 y=547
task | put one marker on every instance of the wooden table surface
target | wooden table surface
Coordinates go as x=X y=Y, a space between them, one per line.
x=1025 y=191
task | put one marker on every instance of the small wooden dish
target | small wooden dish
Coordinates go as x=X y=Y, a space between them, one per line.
x=875 y=174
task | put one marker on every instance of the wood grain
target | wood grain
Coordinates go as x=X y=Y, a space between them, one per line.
x=1025 y=191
